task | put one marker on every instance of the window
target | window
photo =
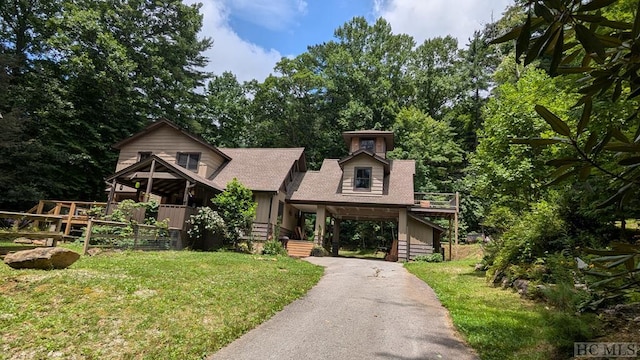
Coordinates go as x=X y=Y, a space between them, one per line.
x=188 y=160
x=143 y=155
x=368 y=144
x=362 y=180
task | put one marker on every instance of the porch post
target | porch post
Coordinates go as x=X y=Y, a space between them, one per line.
x=335 y=245
x=147 y=194
x=185 y=198
x=403 y=241
x=321 y=215
x=112 y=193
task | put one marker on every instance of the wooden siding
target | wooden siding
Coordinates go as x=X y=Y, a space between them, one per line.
x=381 y=146
x=377 y=176
x=177 y=214
x=165 y=143
x=420 y=238
x=262 y=211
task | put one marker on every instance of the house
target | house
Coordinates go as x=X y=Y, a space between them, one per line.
x=182 y=171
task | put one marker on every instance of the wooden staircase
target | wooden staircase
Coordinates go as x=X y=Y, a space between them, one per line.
x=299 y=248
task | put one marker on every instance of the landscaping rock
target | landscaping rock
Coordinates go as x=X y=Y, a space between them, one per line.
x=39 y=242
x=42 y=258
x=94 y=251
x=522 y=286
x=480 y=267
x=23 y=240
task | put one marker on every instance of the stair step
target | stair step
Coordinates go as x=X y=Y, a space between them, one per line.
x=297 y=248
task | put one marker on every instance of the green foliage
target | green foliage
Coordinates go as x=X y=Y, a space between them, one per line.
x=432 y=145
x=593 y=40
x=528 y=239
x=238 y=210
x=274 y=247
x=78 y=76
x=203 y=222
x=616 y=271
x=319 y=251
x=437 y=257
x=507 y=327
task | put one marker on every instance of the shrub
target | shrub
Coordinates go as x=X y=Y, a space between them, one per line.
x=319 y=251
x=205 y=220
x=436 y=257
x=274 y=247
x=237 y=208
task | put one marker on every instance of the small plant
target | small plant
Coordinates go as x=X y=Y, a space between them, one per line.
x=436 y=257
x=319 y=251
x=274 y=247
x=238 y=209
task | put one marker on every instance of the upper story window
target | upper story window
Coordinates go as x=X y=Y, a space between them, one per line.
x=143 y=155
x=362 y=179
x=188 y=161
x=368 y=144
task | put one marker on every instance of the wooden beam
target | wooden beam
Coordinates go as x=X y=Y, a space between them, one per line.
x=155 y=175
x=147 y=194
x=72 y=213
x=112 y=193
x=185 y=198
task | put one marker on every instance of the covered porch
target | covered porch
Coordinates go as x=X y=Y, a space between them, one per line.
x=177 y=190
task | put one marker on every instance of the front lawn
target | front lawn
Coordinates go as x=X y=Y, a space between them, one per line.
x=151 y=305
x=497 y=323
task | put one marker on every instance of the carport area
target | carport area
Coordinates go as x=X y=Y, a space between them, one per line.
x=415 y=235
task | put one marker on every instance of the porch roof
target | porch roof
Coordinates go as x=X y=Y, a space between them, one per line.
x=165 y=176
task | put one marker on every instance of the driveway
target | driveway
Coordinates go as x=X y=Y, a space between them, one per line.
x=360 y=309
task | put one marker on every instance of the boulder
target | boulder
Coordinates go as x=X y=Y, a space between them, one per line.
x=23 y=240
x=42 y=258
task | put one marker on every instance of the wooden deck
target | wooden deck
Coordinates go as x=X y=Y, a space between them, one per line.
x=14 y=225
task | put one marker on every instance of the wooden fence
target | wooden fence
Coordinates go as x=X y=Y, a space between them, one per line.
x=119 y=235
x=37 y=229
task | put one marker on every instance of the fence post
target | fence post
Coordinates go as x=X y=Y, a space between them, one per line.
x=136 y=230
x=87 y=237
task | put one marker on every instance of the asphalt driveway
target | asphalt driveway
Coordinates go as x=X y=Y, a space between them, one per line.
x=360 y=309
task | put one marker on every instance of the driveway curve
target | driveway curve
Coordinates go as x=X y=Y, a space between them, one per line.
x=360 y=309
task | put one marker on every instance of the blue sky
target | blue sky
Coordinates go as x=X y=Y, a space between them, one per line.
x=250 y=36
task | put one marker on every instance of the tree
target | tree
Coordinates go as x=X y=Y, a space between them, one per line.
x=228 y=107
x=238 y=210
x=84 y=74
x=507 y=174
x=598 y=41
x=431 y=144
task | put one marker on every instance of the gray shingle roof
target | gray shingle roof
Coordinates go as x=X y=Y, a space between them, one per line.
x=323 y=186
x=259 y=169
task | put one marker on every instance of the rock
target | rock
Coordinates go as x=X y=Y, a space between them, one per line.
x=42 y=258
x=480 y=267
x=40 y=242
x=522 y=286
x=94 y=251
x=23 y=240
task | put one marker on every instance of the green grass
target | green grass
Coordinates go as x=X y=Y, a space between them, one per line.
x=362 y=254
x=498 y=323
x=151 y=305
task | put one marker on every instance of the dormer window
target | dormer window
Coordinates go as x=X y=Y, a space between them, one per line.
x=362 y=179
x=368 y=144
x=188 y=161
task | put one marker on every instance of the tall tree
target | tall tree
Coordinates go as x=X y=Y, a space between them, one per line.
x=85 y=74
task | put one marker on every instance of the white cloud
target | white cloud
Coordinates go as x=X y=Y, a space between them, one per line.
x=229 y=52
x=428 y=19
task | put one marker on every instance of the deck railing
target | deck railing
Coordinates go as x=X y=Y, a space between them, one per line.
x=449 y=201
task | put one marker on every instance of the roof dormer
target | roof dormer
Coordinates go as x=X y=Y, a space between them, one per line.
x=374 y=141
